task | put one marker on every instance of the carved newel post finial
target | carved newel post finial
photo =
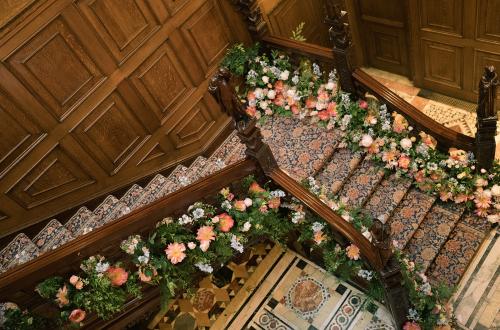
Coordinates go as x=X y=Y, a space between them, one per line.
x=251 y=12
x=221 y=88
x=486 y=119
x=339 y=35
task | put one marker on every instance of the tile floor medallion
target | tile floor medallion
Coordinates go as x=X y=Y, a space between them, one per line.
x=306 y=297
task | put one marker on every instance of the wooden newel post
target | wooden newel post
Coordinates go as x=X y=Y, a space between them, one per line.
x=250 y=10
x=248 y=132
x=339 y=35
x=486 y=119
x=396 y=295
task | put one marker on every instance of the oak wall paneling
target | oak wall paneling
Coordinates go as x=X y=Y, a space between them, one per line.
x=97 y=94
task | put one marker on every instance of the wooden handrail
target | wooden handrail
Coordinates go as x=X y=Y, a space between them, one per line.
x=445 y=136
x=336 y=222
x=321 y=53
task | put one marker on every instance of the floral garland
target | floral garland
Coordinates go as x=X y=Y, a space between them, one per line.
x=274 y=87
x=200 y=240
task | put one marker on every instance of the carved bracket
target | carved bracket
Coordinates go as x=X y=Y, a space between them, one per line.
x=251 y=12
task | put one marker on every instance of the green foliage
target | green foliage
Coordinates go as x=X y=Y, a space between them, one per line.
x=297 y=33
x=48 y=288
x=238 y=56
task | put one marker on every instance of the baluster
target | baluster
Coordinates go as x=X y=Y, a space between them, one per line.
x=486 y=119
x=339 y=35
x=248 y=132
x=251 y=12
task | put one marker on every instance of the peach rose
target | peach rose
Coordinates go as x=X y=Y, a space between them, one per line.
x=311 y=103
x=428 y=140
x=117 y=275
x=145 y=278
x=352 y=252
x=240 y=206
x=332 y=109
x=404 y=161
x=399 y=124
x=255 y=188
x=175 y=252
x=251 y=111
x=62 y=296
x=323 y=115
x=76 y=282
x=319 y=237
x=77 y=315
x=274 y=203
x=411 y=326
x=226 y=222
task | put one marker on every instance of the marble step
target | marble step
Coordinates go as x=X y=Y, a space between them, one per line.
x=52 y=236
x=361 y=184
x=387 y=197
x=20 y=250
x=455 y=255
x=432 y=233
x=82 y=222
x=337 y=171
x=110 y=209
x=132 y=196
x=300 y=149
x=408 y=215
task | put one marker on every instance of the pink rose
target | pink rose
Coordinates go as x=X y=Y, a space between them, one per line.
x=77 y=315
x=226 y=222
x=117 y=275
x=363 y=104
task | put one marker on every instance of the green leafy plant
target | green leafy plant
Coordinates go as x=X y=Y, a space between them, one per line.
x=297 y=33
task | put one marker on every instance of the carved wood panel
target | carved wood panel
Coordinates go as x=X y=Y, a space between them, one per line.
x=489 y=23
x=442 y=16
x=95 y=94
x=443 y=63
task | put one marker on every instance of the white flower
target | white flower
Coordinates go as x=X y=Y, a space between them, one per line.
x=235 y=244
x=259 y=93
x=284 y=75
x=278 y=193
x=366 y=141
x=263 y=105
x=265 y=79
x=204 y=267
x=317 y=226
x=101 y=267
x=413 y=315
x=185 y=219
x=271 y=94
x=290 y=93
x=246 y=226
x=226 y=205
x=295 y=80
x=248 y=202
x=198 y=213
x=366 y=274
x=495 y=190
x=405 y=143
x=143 y=259
x=191 y=245
x=330 y=86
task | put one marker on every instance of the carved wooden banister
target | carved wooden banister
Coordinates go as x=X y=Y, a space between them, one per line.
x=486 y=119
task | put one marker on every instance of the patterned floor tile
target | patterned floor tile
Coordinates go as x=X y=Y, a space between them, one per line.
x=432 y=234
x=408 y=215
x=456 y=254
x=53 y=235
x=387 y=197
x=299 y=149
x=361 y=183
x=132 y=196
x=82 y=222
x=20 y=250
x=337 y=171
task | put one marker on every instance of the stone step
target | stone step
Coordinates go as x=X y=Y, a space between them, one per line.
x=408 y=215
x=82 y=222
x=337 y=171
x=53 y=235
x=20 y=250
x=387 y=197
x=432 y=233
x=361 y=184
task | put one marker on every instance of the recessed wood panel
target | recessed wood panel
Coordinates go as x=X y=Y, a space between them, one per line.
x=442 y=15
x=162 y=82
x=174 y=5
x=57 y=174
x=112 y=133
x=122 y=24
x=194 y=124
x=488 y=19
x=481 y=60
x=207 y=34
x=55 y=66
x=19 y=134
x=443 y=64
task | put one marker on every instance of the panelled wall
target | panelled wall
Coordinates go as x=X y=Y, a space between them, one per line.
x=95 y=94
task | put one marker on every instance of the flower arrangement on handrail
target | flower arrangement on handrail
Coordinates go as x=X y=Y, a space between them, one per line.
x=199 y=241
x=274 y=87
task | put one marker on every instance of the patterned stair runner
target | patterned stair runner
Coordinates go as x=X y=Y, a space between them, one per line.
x=432 y=234
x=82 y=222
x=361 y=184
x=337 y=171
x=53 y=235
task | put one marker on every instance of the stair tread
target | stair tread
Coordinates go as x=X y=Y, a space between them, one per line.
x=456 y=254
x=360 y=185
x=387 y=197
x=82 y=222
x=132 y=195
x=111 y=208
x=433 y=233
x=53 y=235
x=20 y=250
x=408 y=215
x=300 y=149
x=152 y=188
x=227 y=148
x=337 y=171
